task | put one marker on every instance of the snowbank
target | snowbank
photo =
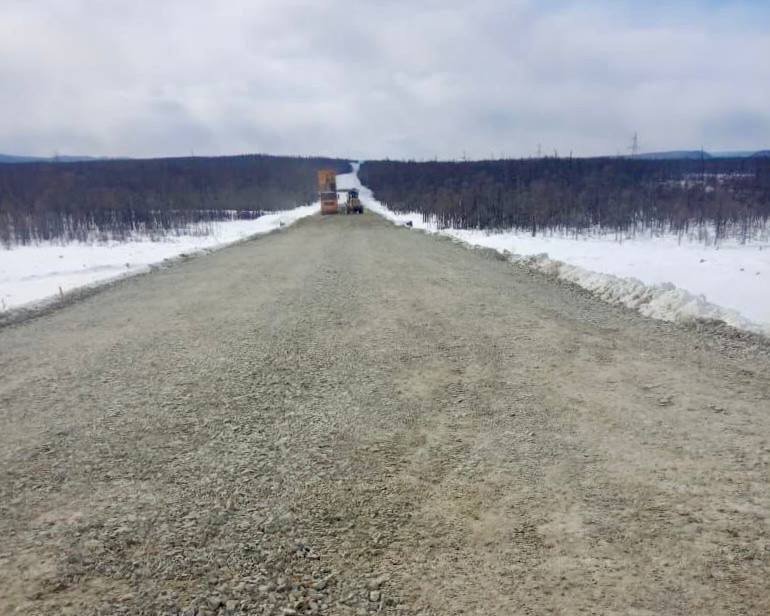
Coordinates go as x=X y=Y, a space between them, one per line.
x=36 y=273
x=660 y=277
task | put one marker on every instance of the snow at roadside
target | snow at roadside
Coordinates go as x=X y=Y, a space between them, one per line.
x=660 y=277
x=35 y=273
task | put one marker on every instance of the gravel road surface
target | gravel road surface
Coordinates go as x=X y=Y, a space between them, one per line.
x=346 y=417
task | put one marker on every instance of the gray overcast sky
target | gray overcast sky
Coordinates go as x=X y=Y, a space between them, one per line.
x=382 y=78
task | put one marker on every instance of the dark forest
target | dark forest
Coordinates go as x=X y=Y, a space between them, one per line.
x=117 y=198
x=730 y=196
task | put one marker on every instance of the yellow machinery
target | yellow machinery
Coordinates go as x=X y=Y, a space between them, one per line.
x=354 y=203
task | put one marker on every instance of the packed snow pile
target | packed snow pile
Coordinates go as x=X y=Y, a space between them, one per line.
x=660 y=301
x=661 y=277
x=39 y=272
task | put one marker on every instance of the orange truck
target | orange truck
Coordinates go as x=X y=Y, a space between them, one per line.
x=327 y=190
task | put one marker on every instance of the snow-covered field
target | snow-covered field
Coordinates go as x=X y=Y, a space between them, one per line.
x=40 y=272
x=658 y=276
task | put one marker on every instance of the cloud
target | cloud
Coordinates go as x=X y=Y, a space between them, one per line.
x=418 y=79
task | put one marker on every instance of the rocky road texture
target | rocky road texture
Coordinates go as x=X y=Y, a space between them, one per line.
x=348 y=417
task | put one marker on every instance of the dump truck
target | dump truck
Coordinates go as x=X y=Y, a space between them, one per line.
x=327 y=190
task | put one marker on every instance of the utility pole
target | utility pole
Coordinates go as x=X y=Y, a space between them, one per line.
x=635 y=146
x=539 y=150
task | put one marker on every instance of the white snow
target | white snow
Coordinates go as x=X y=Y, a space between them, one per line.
x=40 y=272
x=660 y=277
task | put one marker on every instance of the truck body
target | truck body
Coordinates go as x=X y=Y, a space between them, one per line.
x=327 y=190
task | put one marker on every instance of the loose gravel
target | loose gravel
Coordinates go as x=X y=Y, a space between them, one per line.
x=347 y=417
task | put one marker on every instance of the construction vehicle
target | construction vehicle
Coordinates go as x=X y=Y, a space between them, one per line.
x=327 y=190
x=327 y=194
x=354 y=203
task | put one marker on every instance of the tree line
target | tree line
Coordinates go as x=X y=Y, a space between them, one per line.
x=116 y=198
x=729 y=196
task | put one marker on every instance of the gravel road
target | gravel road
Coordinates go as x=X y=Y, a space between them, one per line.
x=347 y=417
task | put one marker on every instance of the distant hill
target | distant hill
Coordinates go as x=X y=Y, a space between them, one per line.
x=697 y=154
x=8 y=158
x=12 y=158
x=675 y=155
x=734 y=154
